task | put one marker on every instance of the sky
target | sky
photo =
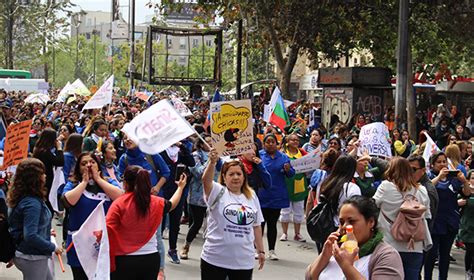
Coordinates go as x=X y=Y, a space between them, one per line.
x=141 y=11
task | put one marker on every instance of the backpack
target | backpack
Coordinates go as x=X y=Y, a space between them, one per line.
x=409 y=225
x=7 y=243
x=320 y=222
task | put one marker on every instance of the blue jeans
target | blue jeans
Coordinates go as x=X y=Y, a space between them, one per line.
x=412 y=263
x=442 y=244
x=161 y=247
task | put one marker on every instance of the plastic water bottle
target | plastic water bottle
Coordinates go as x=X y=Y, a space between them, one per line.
x=351 y=242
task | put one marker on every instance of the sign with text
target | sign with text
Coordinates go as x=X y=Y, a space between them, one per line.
x=373 y=138
x=157 y=128
x=182 y=109
x=231 y=127
x=16 y=143
x=309 y=162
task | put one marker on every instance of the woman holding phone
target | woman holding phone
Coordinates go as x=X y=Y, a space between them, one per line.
x=449 y=184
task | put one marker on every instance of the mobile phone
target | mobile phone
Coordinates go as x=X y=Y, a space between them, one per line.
x=453 y=173
x=180 y=168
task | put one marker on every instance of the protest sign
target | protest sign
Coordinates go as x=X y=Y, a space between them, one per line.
x=373 y=138
x=78 y=88
x=182 y=109
x=430 y=148
x=16 y=143
x=231 y=127
x=102 y=97
x=309 y=162
x=157 y=128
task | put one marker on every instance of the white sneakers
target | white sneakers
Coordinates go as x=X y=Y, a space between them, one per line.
x=284 y=237
x=272 y=255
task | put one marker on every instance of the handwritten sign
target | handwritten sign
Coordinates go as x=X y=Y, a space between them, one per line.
x=373 y=138
x=309 y=162
x=16 y=143
x=231 y=127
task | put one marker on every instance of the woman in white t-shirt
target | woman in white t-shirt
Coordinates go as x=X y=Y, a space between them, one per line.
x=338 y=186
x=233 y=223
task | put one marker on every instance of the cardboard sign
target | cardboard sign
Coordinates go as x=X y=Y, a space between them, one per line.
x=374 y=139
x=309 y=162
x=16 y=143
x=231 y=127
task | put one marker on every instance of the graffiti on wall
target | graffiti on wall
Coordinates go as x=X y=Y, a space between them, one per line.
x=371 y=104
x=337 y=104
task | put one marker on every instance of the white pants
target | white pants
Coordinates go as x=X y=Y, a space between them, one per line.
x=297 y=208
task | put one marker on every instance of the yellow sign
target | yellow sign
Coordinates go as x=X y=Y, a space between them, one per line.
x=231 y=127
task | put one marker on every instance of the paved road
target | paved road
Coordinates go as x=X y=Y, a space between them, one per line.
x=294 y=257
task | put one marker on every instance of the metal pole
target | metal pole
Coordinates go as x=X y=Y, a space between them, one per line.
x=76 y=72
x=239 y=62
x=131 y=67
x=10 y=22
x=94 y=32
x=402 y=60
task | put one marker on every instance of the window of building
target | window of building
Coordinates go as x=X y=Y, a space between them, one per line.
x=88 y=35
x=170 y=43
x=182 y=60
x=209 y=43
x=182 y=43
x=355 y=61
x=195 y=43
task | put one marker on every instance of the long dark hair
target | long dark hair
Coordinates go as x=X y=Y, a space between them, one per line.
x=74 y=144
x=28 y=181
x=138 y=182
x=46 y=142
x=342 y=173
x=77 y=168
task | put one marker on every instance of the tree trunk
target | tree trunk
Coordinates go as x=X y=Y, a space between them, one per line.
x=411 y=99
x=10 y=22
x=285 y=81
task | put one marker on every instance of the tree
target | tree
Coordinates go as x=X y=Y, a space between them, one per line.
x=292 y=27
x=29 y=29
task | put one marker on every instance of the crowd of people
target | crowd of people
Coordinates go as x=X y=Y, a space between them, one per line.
x=145 y=195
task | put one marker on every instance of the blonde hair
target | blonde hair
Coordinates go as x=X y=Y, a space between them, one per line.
x=245 y=189
x=454 y=154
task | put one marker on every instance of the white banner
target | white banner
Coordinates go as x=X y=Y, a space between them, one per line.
x=309 y=162
x=373 y=138
x=182 y=109
x=430 y=148
x=62 y=96
x=79 y=88
x=58 y=180
x=91 y=243
x=102 y=97
x=157 y=128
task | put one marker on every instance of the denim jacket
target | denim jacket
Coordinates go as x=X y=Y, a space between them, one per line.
x=196 y=189
x=30 y=227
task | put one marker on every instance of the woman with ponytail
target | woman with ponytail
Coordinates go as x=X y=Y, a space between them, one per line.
x=132 y=222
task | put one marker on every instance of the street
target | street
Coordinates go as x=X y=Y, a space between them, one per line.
x=294 y=258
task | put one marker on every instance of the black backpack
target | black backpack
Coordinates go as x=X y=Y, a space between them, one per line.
x=7 y=243
x=320 y=222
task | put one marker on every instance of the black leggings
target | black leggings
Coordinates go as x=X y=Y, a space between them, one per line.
x=139 y=267
x=212 y=272
x=78 y=273
x=469 y=257
x=175 y=220
x=271 y=218
x=197 y=214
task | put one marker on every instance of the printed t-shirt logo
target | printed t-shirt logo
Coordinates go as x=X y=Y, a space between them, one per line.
x=239 y=214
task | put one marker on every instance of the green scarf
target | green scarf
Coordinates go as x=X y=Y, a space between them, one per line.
x=370 y=245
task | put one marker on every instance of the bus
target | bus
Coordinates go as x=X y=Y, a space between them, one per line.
x=14 y=74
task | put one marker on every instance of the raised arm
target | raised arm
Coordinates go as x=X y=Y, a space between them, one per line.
x=208 y=175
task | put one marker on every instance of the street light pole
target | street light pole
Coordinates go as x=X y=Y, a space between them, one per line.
x=131 y=67
x=239 y=62
x=402 y=60
x=94 y=32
